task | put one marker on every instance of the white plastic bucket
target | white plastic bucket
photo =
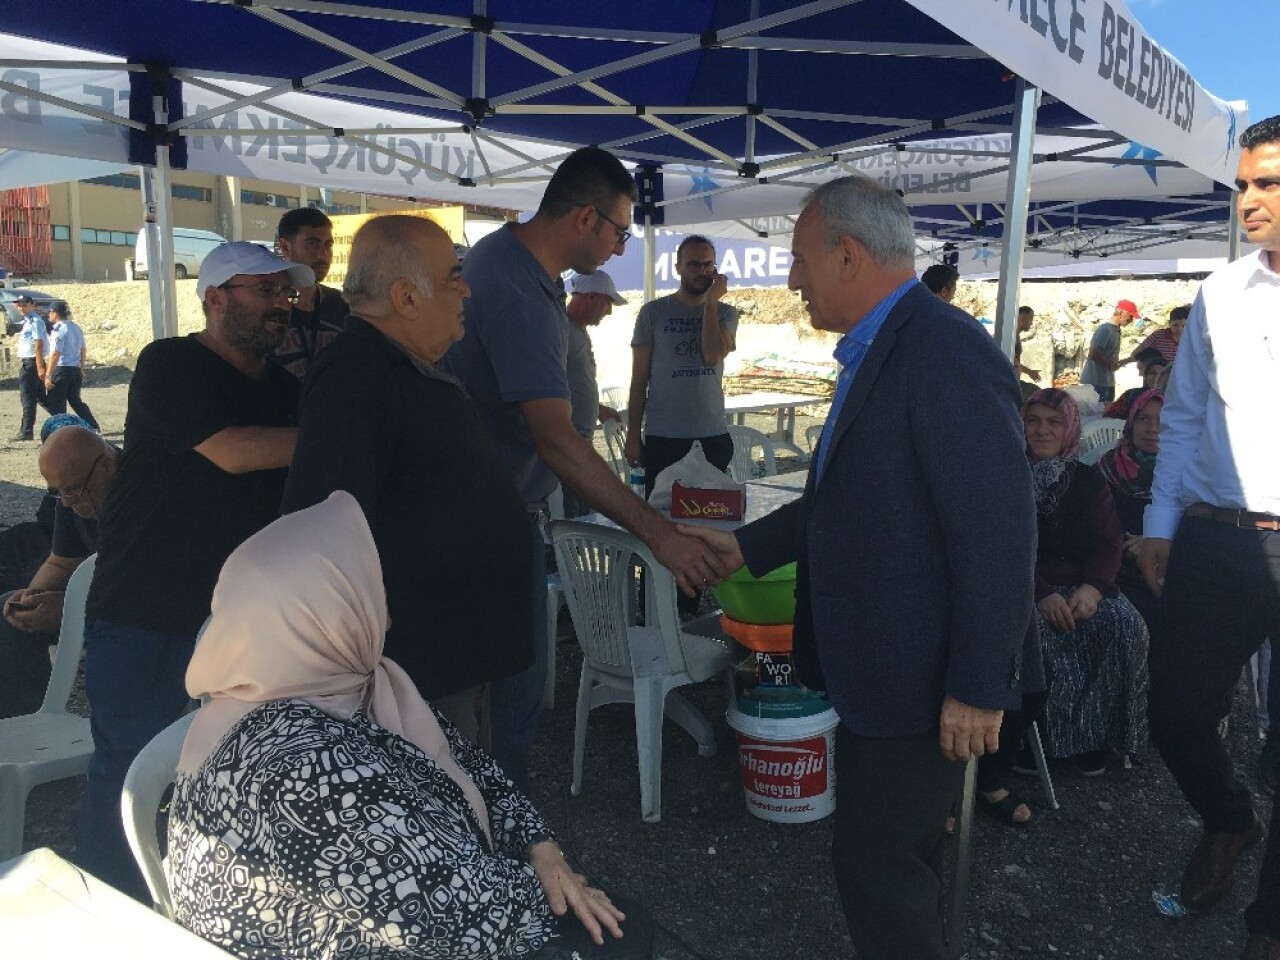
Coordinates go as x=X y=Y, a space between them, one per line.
x=788 y=775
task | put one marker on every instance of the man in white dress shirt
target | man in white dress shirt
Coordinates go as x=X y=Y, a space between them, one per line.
x=1212 y=547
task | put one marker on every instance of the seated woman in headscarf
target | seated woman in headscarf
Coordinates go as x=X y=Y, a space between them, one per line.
x=1128 y=469
x=322 y=808
x=1151 y=365
x=1094 y=641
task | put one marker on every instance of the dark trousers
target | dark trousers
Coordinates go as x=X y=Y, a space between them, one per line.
x=515 y=702
x=892 y=798
x=136 y=682
x=1221 y=599
x=993 y=768
x=662 y=452
x=25 y=672
x=66 y=390
x=30 y=393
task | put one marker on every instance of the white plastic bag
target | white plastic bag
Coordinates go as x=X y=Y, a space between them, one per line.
x=692 y=470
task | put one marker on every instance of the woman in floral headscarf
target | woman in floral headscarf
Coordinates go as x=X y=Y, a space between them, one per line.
x=1128 y=470
x=1094 y=641
x=323 y=809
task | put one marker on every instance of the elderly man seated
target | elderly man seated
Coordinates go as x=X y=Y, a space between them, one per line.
x=79 y=467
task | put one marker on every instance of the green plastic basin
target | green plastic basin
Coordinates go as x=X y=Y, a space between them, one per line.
x=771 y=599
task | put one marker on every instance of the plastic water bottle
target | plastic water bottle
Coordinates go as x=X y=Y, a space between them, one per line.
x=637 y=481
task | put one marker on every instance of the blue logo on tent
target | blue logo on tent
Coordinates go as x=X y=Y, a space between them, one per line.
x=982 y=253
x=701 y=183
x=1231 y=130
x=1137 y=151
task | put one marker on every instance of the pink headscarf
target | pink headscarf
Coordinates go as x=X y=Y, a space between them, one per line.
x=300 y=612
x=1065 y=405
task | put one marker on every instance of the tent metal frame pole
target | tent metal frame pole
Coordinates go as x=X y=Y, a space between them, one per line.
x=1233 y=229
x=155 y=287
x=650 y=258
x=1017 y=204
x=164 y=220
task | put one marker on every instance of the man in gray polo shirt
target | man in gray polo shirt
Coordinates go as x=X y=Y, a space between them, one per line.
x=677 y=375
x=513 y=364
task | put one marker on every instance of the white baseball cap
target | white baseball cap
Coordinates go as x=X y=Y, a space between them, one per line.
x=241 y=257
x=598 y=282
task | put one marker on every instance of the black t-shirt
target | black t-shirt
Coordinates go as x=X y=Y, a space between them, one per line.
x=74 y=536
x=451 y=528
x=171 y=517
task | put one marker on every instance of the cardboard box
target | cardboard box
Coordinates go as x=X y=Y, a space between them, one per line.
x=700 y=503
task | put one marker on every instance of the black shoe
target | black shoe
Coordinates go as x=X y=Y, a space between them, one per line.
x=1268 y=760
x=1092 y=764
x=20 y=436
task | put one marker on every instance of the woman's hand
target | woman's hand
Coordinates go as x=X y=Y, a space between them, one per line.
x=1084 y=602
x=565 y=888
x=1132 y=547
x=1058 y=612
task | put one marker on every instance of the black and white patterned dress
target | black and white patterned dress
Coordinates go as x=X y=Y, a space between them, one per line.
x=304 y=836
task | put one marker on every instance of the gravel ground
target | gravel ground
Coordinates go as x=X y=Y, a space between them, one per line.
x=726 y=885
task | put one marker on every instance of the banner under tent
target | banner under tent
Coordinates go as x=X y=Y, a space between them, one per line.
x=734 y=98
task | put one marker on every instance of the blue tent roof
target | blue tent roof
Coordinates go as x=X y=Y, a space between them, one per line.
x=828 y=100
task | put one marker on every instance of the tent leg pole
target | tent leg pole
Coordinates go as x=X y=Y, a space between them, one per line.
x=164 y=219
x=155 y=283
x=650 y=255
x=1017 y=202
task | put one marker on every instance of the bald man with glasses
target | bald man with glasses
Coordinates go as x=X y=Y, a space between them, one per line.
x=79 y=467
x=208 y=437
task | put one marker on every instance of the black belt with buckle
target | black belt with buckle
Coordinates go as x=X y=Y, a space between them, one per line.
x=1237 y=518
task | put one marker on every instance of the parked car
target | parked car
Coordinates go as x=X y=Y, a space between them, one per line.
x=189 y=248
x=12 y=315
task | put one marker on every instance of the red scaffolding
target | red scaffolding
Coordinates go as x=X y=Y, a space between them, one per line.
x=26 y=239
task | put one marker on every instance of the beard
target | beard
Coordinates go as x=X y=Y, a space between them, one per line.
x=255 y=332
x=696 y=286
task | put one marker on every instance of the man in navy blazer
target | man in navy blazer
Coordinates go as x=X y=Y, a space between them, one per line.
x=915 y=538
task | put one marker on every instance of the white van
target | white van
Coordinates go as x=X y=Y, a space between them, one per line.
x=189 y=248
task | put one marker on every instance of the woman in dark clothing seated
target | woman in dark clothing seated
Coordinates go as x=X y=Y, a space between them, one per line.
x=324 y=810
x=1128 y=470
x=1094 y=641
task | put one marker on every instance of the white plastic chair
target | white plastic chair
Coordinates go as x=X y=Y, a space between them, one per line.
x=555 y=600
x=743 y=466
x=50 y=744
x=812 y=434
x=616 y=397
x=149 y=776
x=615 y=441
x=1099 y=435
x=624 y=662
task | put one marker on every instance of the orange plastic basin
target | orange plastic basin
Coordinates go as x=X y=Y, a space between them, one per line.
x=762 y=638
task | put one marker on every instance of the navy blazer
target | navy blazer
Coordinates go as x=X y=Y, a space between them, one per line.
x=917 y=545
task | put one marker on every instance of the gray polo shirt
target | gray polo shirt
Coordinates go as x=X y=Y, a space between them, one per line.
x=515 y=349
x=686 y=396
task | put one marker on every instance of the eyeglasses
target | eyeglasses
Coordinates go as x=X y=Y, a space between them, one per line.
x=268 y=291
x=72 y=495
x=624 y=233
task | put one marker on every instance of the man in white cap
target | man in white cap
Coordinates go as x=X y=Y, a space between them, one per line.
x=594 y=297
x=209 y=434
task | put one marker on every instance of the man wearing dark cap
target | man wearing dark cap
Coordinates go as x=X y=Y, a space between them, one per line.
x=33 y=343
x=209 y=431
x=1104 y=352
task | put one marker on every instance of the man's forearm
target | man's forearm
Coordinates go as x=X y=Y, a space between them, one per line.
x=54 y=573
x=715 y=345
x=576 y=463
x=246 y=449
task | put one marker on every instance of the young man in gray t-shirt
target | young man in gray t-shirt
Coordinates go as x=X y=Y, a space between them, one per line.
x=1104 y=352
x=677 y=375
